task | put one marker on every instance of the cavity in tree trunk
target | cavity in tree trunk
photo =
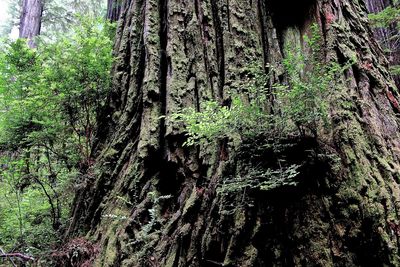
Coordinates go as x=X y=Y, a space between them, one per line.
x=152 y=202
x=30 y=22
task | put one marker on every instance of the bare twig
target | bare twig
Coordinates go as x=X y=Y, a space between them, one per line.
x=17 y=255
x=12 y=262
x=10 y=256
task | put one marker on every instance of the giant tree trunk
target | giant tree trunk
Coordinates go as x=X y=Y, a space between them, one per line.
x=388 y=37
x=151 y=202
x=31 y=19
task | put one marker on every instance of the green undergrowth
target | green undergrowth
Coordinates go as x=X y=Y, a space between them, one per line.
x=49 y=99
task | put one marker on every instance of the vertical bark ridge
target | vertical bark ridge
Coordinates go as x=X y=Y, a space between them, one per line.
x=164 y=62
x=220 y=52
x=156 y=202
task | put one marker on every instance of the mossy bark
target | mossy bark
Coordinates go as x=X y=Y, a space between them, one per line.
x=151 y=202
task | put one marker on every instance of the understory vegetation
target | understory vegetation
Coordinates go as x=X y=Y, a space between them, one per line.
x=49 y=100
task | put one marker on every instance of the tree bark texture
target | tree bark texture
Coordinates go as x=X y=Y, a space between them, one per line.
x=151 y=202
x=388 y=37
x=113 y=9
x=31 y=19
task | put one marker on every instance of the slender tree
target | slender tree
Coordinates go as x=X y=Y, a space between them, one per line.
x=150 y=201
x=31 y=19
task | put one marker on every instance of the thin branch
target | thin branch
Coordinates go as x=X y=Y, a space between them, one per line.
x=12 y=262
x=15 y=255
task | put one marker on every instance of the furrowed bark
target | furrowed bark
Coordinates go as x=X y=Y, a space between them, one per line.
x=154 y=202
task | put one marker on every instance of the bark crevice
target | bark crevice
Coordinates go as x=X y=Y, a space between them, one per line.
x=181 y=53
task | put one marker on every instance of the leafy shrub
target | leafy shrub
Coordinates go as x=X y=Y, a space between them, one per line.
x=49 y=99
x=216 y=122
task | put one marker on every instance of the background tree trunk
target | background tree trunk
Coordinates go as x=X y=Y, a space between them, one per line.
x=113 y=9
x=151 y=202
x=30 y=22
x=389 y=38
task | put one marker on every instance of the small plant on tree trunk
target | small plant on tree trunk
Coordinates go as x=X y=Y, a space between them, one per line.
x=310 y=83
x=303 y=101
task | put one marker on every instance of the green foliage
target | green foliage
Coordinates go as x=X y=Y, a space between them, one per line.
x=58 y=15
x=24 y=214
x=387 y=16
x=395 y=70
x=154 y=213
x=311 y=80
x=215 y=122
x=57 y=88
x=49 y=99
x=18 y=72
x=261 y=179
x=303 y=101
x=266 y=110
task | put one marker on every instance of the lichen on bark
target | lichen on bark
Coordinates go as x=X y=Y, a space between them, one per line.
x=172 y=54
